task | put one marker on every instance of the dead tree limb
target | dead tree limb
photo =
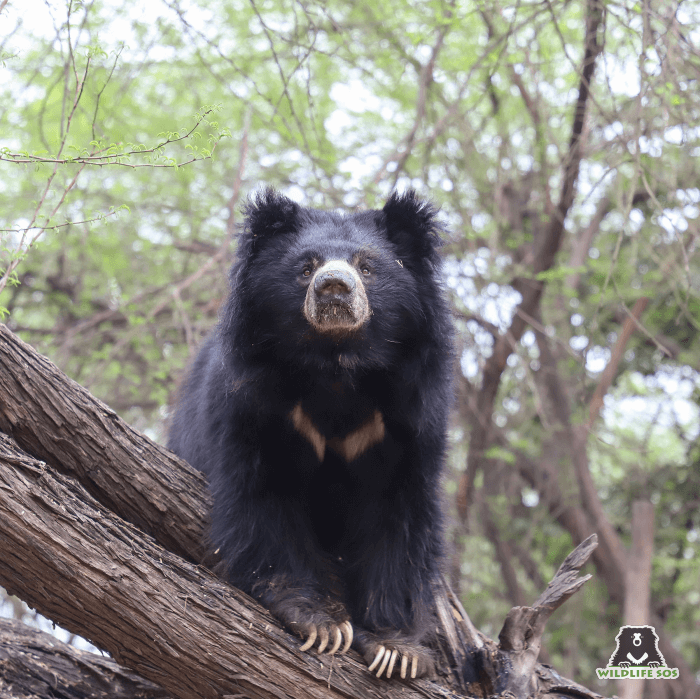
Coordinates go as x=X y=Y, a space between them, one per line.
x=575 y=520
x=521 y=636
x=34 y=664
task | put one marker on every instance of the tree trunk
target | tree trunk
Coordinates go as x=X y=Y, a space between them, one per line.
x=638 y=582
x=55 y=419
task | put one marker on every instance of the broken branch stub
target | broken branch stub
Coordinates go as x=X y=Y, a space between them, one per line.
x=520 y=638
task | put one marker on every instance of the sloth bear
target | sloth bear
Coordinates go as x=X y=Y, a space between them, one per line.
x=318 y=410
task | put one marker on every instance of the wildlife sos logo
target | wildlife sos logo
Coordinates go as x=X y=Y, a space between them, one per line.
x=636 y=655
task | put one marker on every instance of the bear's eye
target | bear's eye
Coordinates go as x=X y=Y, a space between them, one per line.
x=364 y=270
x=306 y=272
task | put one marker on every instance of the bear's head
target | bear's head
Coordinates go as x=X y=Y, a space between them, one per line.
x=315 y=285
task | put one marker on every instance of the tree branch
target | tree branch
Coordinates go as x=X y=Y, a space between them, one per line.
x=34 y=664
x=616 y=355
x=543 y=259
x=90 y=442
x=575 y=521
x=521 y=636
x=172 y=622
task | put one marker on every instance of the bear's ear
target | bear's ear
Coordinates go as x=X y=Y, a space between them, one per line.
x=413 y=225
x=268 y=213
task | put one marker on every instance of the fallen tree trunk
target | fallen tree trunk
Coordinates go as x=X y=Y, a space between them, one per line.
x=34 y=664
x=168 y=619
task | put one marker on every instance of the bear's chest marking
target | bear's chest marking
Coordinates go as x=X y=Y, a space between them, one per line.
x=349 y=447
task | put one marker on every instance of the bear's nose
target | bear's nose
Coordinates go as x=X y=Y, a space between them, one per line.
x=334 y=282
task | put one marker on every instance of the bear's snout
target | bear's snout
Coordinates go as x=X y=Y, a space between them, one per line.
x=334 y=282
x=336 y=303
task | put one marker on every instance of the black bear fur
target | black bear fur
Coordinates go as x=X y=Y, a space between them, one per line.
x=318 y=410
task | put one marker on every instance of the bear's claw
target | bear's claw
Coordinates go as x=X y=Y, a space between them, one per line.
x=323 y=634
x=386 y=655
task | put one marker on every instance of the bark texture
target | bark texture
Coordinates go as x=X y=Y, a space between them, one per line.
x=55 y=419
x=34 y=664
x=171 y=621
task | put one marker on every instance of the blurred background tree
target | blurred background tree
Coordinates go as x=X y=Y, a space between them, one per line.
x=131 y=132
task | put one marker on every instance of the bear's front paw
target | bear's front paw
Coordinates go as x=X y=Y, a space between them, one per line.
x=315 y=617
x=624 y=664
x=409 y=659
x=654 y=664
x=326 y=632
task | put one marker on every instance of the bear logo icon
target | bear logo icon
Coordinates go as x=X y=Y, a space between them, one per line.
x=637 y=646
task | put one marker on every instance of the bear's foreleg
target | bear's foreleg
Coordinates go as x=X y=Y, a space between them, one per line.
x=390 y=587
x=268 y=552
